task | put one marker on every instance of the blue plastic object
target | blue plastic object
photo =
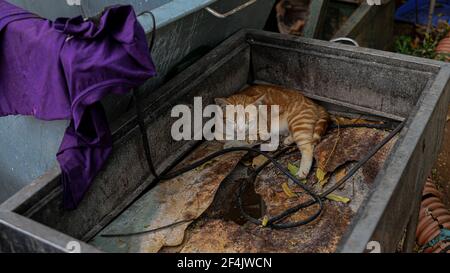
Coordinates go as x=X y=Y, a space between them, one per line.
x=416 y=11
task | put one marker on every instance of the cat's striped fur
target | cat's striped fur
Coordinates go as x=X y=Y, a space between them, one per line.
x=301 y=120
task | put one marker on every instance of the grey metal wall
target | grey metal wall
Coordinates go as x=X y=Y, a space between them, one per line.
x=27 y=148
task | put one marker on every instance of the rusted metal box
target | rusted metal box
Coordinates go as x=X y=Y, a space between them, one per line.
x=386 y=84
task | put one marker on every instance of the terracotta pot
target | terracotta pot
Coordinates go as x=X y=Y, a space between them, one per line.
x=443 y=49
x=433 y=216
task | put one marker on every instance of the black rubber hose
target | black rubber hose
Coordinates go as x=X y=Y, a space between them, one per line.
x=272 y=222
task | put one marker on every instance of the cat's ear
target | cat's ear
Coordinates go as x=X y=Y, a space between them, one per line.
x=221 y=102
x=260 y=100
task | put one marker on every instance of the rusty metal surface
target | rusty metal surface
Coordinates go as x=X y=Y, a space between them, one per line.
x=352 y=144
x=185 y=197
x=216 y=235
x=216 y=231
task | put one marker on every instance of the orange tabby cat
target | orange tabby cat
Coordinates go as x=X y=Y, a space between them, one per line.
x=300 y=119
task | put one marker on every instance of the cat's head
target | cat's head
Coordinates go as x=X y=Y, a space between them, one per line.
x=244 y=101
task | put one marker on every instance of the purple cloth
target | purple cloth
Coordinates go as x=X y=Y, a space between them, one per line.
x=61 y=70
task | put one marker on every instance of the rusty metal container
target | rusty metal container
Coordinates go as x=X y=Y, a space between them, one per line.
x=384 y=84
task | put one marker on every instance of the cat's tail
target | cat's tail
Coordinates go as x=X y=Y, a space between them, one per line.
x=321 y=124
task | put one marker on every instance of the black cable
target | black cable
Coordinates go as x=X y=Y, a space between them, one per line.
x=272 y=222
x=144 y=135
x=147 y=231
x=152 y=41
x=199 y=163
x=139 y=111
x=365 y=159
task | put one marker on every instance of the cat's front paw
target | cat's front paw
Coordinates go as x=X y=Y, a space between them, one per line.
x=302 y=174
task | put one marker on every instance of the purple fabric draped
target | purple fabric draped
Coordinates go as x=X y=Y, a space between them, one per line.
x=61 y=70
